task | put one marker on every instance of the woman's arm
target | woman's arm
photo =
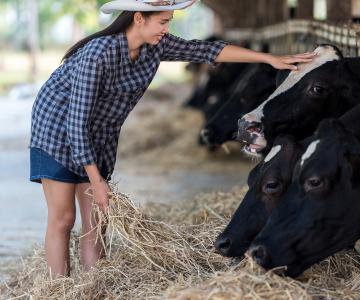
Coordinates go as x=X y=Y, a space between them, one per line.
x=86 y=82
x=231 y=53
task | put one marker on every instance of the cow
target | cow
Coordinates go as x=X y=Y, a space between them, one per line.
x=319 y=213
x=212 y=82
x=324 y=88
x=255 y=84
x=268 y=182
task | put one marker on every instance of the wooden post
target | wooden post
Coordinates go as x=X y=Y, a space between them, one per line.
x=262 y=13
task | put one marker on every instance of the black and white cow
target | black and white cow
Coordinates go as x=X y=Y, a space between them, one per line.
x=268 y=182
x=254 y=85
x=319 y=213
x=324 y=88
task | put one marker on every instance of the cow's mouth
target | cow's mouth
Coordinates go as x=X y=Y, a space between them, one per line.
x=234 y=261
x=257 y=143
x=253 y=148
x=252 y=136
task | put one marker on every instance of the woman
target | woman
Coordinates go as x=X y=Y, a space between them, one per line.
x=78 y=113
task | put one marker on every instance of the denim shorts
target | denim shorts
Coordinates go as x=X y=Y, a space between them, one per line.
x=42 y=165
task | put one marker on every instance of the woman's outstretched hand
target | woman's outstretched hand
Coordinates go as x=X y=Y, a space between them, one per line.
x=287 y=62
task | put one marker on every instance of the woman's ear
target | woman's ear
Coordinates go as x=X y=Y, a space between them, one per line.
x=138 y=18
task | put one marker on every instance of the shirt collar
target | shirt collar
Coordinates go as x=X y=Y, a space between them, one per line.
x=124 y=50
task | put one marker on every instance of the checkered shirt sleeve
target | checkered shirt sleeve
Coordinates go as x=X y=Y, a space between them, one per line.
x=85 y=88
x=197 y=51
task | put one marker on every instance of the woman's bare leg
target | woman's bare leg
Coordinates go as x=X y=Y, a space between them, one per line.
x=90 y=251
x=60 y=198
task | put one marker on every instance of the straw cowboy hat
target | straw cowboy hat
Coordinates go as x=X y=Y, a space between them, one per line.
x=145 y=5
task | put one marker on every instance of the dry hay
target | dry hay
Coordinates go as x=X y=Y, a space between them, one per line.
x=215 y=208
x=152 y=259
x=167 y=134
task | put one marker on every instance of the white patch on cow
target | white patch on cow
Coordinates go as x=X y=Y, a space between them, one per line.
x=324 y=55
x=309 y=151
x=274 y=150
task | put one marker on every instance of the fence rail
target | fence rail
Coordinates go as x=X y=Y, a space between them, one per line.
x=301 y=35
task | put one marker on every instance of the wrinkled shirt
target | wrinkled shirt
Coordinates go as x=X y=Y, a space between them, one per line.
x=78 y=112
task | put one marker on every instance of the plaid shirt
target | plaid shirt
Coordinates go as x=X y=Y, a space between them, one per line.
x=78 y=113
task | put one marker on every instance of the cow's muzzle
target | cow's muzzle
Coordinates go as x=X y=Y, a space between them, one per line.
x=259 y=254
x=251 y=133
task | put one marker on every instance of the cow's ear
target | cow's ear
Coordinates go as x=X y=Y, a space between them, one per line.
x=281 y=76
x=353 y=157
x=352 y=64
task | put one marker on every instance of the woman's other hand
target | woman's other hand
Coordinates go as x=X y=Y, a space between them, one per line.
x=101 y=195
x=99 y=186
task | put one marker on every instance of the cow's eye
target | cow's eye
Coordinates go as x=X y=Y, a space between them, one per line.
x=318 y=90
x=313 y=183
x=271 y=187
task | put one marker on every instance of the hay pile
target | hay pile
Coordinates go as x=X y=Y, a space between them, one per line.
x=166 y=253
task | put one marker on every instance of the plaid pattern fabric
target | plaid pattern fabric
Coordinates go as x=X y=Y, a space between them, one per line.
x=78 y=113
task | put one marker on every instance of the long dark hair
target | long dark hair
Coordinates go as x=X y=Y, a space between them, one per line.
x=120 y=24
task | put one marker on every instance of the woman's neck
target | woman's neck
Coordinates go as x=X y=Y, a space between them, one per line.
x=134 y=40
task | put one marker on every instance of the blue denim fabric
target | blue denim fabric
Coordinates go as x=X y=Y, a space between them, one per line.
x=42 y=165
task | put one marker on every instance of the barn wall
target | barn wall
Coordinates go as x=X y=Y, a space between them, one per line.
x=305 y=9
x=249 y=13
x=339 y=11
x=260 y=13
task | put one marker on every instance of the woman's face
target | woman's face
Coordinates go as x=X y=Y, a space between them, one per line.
x=153 y=28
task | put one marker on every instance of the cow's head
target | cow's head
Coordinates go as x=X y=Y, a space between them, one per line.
x=212 y=83
x=319 y=214
x=252 y=88
x=267 y=182
x=317 y=90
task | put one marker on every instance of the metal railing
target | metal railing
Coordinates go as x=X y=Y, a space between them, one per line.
x=296 y=36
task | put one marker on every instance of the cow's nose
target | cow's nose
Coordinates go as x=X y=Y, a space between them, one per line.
x=259 y=254
x=251 y=118
x=244 y=125
x=223 y=244
x=205 y=136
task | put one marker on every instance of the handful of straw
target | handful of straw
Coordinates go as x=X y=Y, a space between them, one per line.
x=172 y=249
